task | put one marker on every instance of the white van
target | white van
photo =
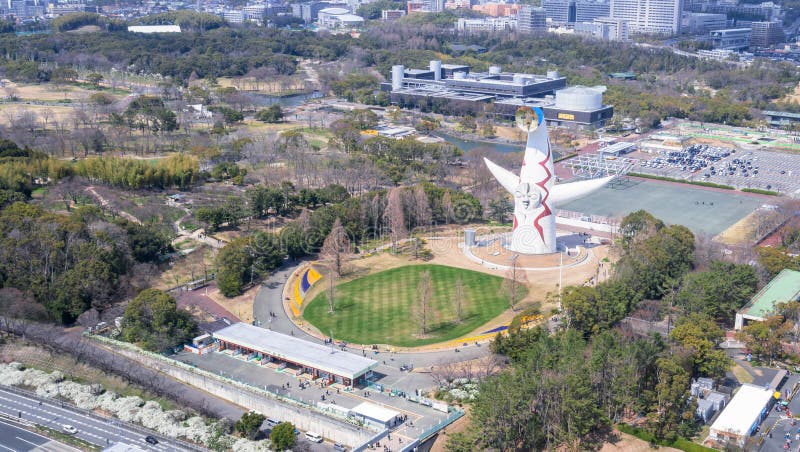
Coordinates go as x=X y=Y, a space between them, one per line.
x=313 y=437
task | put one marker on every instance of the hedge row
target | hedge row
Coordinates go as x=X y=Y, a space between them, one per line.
x=682 y=181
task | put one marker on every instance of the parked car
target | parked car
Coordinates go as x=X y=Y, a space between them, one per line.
x=69 y=429
x=339 y=447
x=313 y=437
x=151 y=439
x=272 y=422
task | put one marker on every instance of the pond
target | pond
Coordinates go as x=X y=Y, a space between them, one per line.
x=292 y=100
x=468 y=145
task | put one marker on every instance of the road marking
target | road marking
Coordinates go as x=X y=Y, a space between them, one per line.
x=29 y=442
x=7 y=448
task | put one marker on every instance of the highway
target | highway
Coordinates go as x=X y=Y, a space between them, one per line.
x=17 y=439
x=94 y=429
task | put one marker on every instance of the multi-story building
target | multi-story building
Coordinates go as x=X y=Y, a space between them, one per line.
x=618 y=28
x=649 y=16
x=531 y=20
x=766 y=34
x=766 y=11
x=702 y=23
x=571 y=11
x=731 y=38
x=487 y=24
x=606 y=29
x=453 y=89
x=392 y=14
x=497 y=9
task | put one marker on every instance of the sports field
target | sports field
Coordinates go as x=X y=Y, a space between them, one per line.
x=701 y=210
x=378 y=309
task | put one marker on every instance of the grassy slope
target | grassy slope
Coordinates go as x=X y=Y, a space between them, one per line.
x=378 y=308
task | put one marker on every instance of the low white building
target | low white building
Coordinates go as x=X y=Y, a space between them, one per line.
x=375 y=415
x=338 y=18
x=154 y=29
x=743 y=415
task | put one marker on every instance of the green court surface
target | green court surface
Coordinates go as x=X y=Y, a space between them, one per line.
x=701 y=210
x=379 y=308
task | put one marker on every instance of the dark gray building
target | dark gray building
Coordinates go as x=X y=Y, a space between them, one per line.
x=531 y=20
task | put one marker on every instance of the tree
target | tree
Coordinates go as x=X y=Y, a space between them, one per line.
x=249 y=424
x=719 y=291
x=234 y=262
x=514 y=283
x=271 y=114
x=95 y=78
x=282 y=436
x=672 y=406
x=773 y=260
x=764 y=338
x=153 y=320
x=336 y=247
x=458 y=298
x=699 y=335
x=394 y=215
x=422 y=307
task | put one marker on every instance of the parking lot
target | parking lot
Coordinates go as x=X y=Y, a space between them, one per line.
x=760 y=169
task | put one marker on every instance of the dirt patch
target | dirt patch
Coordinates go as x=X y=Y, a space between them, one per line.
x=201 y=305
x=241 y=307
x=440 y=443
x=45 y=92
x=630 y=443
x=182 y=270
x=10 y=113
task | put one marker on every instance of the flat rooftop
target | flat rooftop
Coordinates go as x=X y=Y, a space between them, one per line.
x=785 y=286
x=743 y=410
x=296 y=350
x=376 y=412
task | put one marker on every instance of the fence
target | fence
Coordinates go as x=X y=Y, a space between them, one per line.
x=440 y=425
x=305 y=416
x=92 y=414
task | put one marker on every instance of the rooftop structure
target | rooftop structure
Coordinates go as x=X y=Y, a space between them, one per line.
x=742 y=415
x=314 y=358
x=375 y=414
x=731 y=38
x=785 y=286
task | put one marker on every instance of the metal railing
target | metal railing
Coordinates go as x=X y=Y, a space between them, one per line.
x=440 y=425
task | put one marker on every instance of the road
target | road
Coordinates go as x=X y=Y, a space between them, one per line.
x=17 y=439
x=94 y=429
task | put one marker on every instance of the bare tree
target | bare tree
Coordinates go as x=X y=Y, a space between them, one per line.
x=336 y=247
x=421 y=206
x=331 y=292
x=458 y=298
x=447 y=207
x=514 y=283
x=421 y=311
x=394 y=215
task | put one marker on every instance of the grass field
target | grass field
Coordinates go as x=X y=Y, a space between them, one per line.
x=377 y=309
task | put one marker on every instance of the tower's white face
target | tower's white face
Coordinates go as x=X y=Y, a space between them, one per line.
x=527 y=198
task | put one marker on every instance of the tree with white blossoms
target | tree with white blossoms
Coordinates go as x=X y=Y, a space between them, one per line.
x=149 y=414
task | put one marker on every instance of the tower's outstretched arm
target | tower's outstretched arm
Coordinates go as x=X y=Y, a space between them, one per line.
x=563 y=193
x=507 y=179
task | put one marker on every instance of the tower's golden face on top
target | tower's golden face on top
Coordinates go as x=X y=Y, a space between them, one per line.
x=528 y=119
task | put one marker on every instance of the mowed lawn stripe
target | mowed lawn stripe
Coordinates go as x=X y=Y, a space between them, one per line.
x=378 y=308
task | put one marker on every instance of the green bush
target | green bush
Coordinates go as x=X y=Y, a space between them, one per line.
x=761 y=192
x=679 y=443
x=682 y=181
x=282 y=436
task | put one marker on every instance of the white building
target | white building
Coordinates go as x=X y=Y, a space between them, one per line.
x=338 y=18
x=743 y=415
x=606 y=29
x=486 y=24
x=702 y=23
x=154 y=29
x=649 y=16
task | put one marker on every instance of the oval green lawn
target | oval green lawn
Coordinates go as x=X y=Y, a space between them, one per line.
x=377 y=309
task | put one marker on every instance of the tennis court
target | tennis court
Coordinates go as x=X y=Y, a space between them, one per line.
x=701 y=210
